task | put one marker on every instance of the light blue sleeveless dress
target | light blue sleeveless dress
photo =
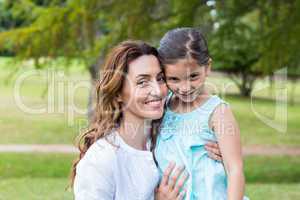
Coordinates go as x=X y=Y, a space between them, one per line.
x=181 y=139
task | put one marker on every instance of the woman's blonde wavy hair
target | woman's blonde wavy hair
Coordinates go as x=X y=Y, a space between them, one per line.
x=108 y=110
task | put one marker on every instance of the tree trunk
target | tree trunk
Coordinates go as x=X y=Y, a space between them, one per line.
x=94 y=70
x=271 y=82
x=244 y=82
x=292 y=95
x=246 y=86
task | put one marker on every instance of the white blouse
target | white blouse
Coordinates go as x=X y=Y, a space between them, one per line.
x=115 y=172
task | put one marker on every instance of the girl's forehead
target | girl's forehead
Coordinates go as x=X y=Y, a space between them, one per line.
x=183 y=66
x=187 y=62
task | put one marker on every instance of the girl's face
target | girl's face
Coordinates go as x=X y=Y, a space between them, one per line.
x=186 y=79
x=144 y=91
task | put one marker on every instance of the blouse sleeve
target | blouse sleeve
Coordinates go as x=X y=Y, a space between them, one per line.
x=94 y=175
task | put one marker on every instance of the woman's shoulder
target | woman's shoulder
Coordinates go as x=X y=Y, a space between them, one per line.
x=101 y=153
x=98 y=163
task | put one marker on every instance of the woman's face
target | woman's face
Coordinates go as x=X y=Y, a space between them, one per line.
x=144 y=91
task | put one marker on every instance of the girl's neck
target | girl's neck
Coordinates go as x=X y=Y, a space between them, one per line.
x=135 y=132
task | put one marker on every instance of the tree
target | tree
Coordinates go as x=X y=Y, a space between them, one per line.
x=234 y=45
x=255 y=38
x=85 y=30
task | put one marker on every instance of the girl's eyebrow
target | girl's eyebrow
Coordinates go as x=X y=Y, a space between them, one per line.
x=172 y=77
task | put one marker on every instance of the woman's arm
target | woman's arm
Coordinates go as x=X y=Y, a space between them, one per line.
x=94 y=175
x=228 y=135
x=213 y=150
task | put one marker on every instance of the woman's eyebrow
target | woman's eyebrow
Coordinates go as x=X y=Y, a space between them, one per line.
x=148 y=75
x=143 y=76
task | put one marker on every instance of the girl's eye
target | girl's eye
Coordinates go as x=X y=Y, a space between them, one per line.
x=172 y=79
x=194 y=76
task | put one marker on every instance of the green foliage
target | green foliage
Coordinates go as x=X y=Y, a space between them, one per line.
x=246 y=38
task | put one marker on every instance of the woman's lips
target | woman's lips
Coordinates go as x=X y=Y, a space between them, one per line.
x=154 y=103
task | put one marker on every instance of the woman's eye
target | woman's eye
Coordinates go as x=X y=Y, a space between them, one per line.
x=142 y=83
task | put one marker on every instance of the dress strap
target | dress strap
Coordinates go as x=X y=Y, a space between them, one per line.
x=210 y=106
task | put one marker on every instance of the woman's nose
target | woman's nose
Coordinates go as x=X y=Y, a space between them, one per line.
x=156 y=89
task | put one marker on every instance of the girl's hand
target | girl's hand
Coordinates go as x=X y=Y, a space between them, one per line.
x=168 y=189
x=214 y=151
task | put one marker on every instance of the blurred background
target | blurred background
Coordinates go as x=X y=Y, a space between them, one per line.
x=51 y=50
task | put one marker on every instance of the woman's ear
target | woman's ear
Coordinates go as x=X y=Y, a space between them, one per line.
x=119 y=99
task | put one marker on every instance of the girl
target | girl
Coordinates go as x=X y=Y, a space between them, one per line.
x=115 y=160
x=193 y=117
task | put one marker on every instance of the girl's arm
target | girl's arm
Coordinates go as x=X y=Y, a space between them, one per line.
x=228 y=135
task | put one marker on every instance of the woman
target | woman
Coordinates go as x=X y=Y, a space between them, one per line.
x=116 y=160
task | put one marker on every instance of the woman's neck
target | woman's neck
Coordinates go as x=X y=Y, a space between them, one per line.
x=135 y=132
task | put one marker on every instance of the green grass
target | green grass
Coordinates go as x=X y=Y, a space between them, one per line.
x=14 y=165
x=254 y=131
x=54 y=189
x=258 y=169
x=44 y=176
x=34 y=189
x=19 y=127
x=272 y=169
x=273 y=191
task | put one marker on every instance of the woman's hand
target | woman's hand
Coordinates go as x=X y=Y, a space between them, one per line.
x=168 y=189
x=214 y=151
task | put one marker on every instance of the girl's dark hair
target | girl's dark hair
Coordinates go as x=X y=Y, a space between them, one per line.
x=184 y=43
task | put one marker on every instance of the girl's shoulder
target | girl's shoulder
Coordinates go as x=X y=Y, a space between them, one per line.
x=213 y=103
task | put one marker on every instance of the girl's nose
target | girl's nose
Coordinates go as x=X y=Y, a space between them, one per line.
x=185 y=88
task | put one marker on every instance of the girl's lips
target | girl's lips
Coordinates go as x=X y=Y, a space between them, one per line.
x=186 y=95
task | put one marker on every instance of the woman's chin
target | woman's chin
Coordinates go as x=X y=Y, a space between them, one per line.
x=153 y=115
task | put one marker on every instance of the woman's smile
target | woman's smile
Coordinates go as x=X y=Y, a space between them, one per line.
x=155 y=104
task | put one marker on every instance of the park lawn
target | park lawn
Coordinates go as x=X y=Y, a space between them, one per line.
x=54 y=189
x=44 y=176
x=255 y=131
x=34 y=189
x=258 y=169
x=19 y=127
x=52 y=126
x=258 y=191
